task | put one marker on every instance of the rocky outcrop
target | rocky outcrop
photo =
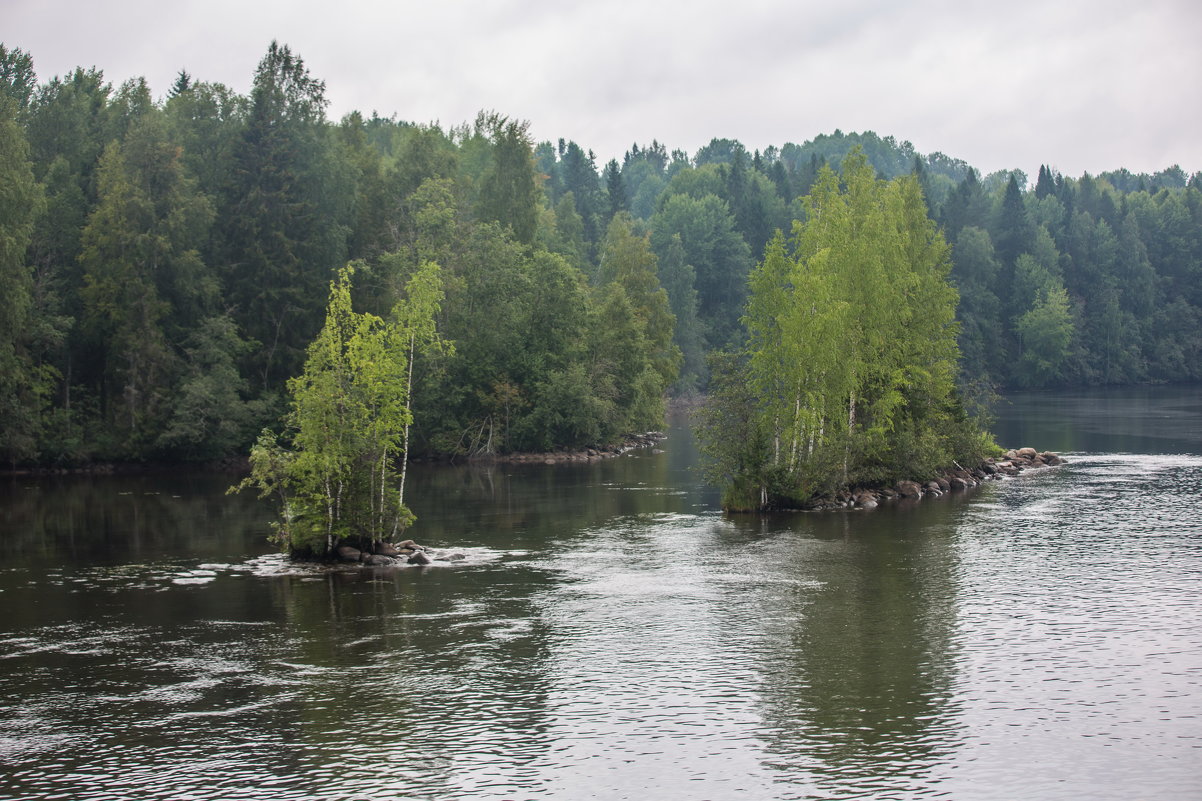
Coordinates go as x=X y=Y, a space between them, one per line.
x=958 y=479
x=390 y=554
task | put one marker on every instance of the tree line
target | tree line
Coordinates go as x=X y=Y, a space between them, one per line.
x=166 y=264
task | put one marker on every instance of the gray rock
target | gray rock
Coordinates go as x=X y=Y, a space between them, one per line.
x=909 y=489
x=346 y=553
x=378 y=560
x=419 y=558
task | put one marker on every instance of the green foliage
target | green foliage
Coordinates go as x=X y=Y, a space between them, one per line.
x=210 y=415
x=286 y=212
x=851 y=358
x=719 y=256
x=1045 y=332
x=145 y=286
x=509 y=194
x=24 y=384
x=334 y=474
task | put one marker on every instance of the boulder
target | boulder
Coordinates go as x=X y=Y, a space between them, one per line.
x=909 y=489
x=958 y=483
x=1051 y=458
x=407 y=544
x=387 y=549
x=346 y=553
x=1027 y=453
x=419 y=558
x=378 y=560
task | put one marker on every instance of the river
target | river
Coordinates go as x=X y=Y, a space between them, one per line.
x=611 y=635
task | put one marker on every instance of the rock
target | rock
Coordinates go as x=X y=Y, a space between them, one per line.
x=419 y=558
x=378 y=560
x=943 y=484
x=909 y=489
x=387 y=549
x=932 y=486
x=1027 y=453
x=1051 y=458
x=407 y=544
x=958 y=483
x=866 y=499
x=346 y=553
x=990 y=468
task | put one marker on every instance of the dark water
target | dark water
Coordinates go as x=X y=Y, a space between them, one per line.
x=611 y=636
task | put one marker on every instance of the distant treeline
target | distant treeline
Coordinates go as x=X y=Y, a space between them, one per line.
x=164 y=264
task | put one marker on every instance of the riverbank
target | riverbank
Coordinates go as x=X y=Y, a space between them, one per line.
x=240 y=464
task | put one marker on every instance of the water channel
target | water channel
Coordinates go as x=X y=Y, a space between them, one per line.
x=611 y=635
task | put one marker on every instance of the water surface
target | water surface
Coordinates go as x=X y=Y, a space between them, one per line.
x=611 y=635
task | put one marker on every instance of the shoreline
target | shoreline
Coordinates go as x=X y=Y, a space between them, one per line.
x=241 y=464
x=1012 y=463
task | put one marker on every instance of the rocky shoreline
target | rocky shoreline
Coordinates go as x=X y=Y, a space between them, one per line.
x=388 y=554
x=1011 y=463
x=632 y=442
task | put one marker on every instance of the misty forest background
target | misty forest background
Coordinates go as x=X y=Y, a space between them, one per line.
x=165 y=263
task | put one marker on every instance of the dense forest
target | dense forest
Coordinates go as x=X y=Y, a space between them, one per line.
x=166 y=263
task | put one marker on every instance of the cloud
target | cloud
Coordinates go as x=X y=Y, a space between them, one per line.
x=1083 y=86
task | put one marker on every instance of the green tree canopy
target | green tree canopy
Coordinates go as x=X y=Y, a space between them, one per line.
x=851 y=360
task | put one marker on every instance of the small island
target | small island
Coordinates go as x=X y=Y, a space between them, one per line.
x=845 y=392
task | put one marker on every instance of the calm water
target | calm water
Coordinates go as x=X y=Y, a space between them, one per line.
x=611 y=636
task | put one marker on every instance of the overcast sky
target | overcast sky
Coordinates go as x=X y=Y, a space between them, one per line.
x=1090 y=85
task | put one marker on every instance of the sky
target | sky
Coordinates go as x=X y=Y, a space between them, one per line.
x=1088 y=85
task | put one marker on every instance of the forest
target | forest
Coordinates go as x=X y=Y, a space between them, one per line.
x=166 y=263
